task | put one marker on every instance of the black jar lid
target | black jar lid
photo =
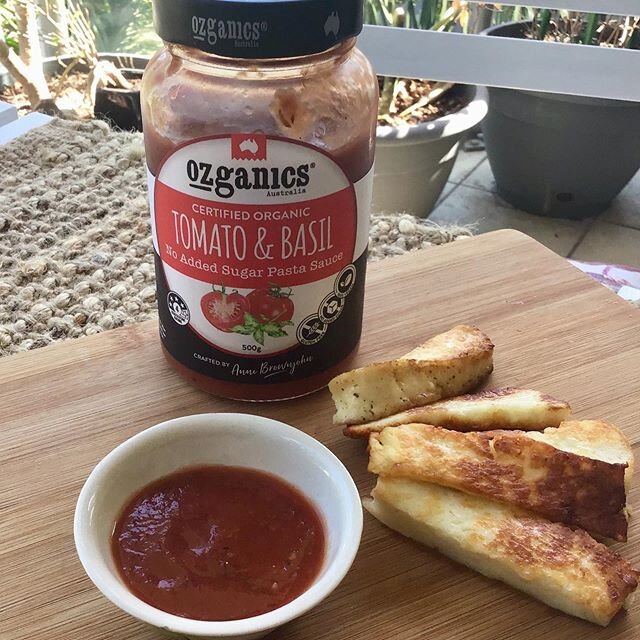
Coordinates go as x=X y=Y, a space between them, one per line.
x=258 y=28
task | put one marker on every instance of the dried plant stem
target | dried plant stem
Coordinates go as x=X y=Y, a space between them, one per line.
x=104 y=73
x=627 y=31
x=27 y=67
x=18 y=70
x=575 y=24
x=27 y=23
x=449 y=16
x=612 y=36
x=57 y=10
x=386 y=95
x=60 y=80
x=439 y=89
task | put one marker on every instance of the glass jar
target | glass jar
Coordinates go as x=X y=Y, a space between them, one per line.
x=259 y=136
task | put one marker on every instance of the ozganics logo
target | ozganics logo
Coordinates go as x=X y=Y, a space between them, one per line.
x=243 y=32
x=224 y=180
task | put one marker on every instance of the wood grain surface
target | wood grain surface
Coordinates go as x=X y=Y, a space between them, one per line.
x=64 y=407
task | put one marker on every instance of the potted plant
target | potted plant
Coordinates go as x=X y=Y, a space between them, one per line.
x=561 y=155
x=420 y=122
x=121 y=26
x=80 y=81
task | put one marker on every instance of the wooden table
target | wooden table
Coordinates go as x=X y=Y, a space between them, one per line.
x=65 y=406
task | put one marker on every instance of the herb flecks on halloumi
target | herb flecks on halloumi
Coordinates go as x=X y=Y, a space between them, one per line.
x=447 y=365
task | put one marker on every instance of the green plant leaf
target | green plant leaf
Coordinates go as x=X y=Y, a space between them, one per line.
x=448 y=19
x=242 y=329
x=250 y=321
x=258 y=336
x=274 y=331
x=427 y=13
x=543 y=24
x=384 y=17
x=593 y=20
x=412 y=21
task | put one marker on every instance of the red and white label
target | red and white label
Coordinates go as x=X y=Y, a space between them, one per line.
x=252 y=232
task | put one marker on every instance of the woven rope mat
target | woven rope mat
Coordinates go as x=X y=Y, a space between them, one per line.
x=75 y=248
x=75 y=242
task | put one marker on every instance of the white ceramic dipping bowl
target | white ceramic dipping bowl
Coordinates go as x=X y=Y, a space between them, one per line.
x=218 y=438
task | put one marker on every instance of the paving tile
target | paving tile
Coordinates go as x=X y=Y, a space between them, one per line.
x=610 y=243
x=481 y=178
x=446 y=192
x=465 y=163
x=625 y=209
x=486 y=212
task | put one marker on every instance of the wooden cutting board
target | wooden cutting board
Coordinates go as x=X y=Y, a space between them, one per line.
x=64 y=407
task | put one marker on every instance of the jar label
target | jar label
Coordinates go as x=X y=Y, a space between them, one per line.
x=260 y=251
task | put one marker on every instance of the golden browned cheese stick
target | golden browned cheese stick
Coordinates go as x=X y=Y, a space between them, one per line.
x=565 y=568
x=507 y=408
x=514 y=468
x=447 y=365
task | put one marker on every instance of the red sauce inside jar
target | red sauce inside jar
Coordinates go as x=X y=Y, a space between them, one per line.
x=218 y=543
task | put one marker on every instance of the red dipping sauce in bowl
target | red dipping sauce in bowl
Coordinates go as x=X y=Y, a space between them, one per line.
x=218 y=543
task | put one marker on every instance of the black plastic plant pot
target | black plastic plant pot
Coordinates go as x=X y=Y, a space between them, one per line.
x=559 y=155
x=120 y=107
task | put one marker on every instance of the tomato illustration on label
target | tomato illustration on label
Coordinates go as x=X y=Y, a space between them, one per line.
x=273 y=303
x=270 y=311
x=224 y=310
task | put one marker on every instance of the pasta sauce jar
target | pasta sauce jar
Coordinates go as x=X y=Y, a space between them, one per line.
x=259 y=124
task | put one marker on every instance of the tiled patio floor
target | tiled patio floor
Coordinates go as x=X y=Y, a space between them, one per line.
x=470 y=198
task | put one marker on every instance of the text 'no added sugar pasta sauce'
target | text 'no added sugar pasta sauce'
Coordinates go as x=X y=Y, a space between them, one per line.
x=259 y=124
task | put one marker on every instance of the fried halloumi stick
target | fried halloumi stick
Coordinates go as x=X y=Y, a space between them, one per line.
x=565 y=568
x=511 y=467
x=447 y=365
x=507 y=408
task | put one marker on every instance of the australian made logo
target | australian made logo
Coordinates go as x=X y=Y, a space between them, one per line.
x=332 y=24
x=243 y=33
x=226 y=179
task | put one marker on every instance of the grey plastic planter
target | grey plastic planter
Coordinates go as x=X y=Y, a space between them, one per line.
x=414 y=162
x=559 y=155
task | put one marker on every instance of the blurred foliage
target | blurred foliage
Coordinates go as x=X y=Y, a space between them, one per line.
x=123 y=25
x=8 y=23
x=439 y=15
x=622 y=32
x=119 y=25
x=558 y=25
x=443 y=15
x=501 y=13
